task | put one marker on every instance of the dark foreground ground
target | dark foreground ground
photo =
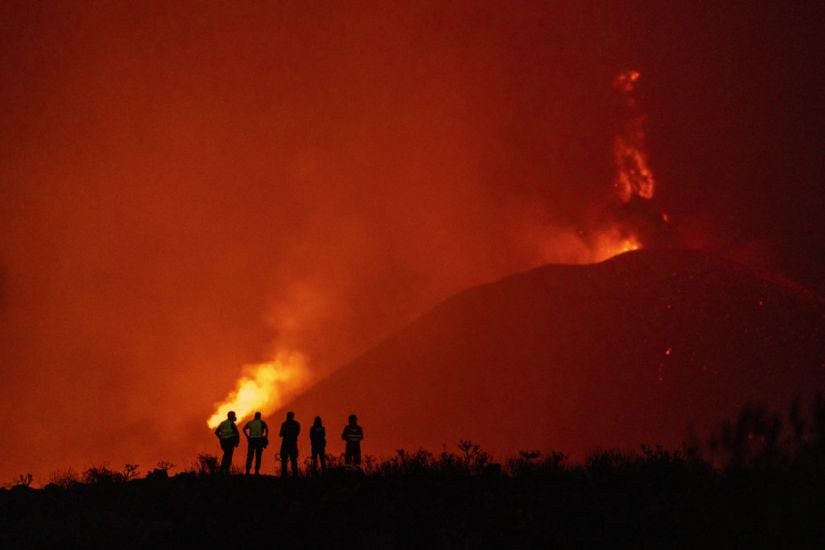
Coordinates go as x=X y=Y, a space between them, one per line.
x=758 y=482
x=655 y=499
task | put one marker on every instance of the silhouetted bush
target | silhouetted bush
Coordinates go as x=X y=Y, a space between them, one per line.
x=102 y=474
x=532 y=462
x=64 y=478
x=762 y=440
x=161 y=471
x=23 y=480
x=206 y=465
x=474 y=458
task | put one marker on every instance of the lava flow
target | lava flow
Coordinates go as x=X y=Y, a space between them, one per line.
x=263 y=387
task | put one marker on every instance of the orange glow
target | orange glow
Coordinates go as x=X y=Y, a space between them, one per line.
x=263 y=387
x=633 y=174
x=267 y=386
x=633 y=178
x=567 y=247
x=180 y=194
x=625 y=82
x=611 y=244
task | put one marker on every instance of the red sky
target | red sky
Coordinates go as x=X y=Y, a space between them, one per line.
x=186 y=188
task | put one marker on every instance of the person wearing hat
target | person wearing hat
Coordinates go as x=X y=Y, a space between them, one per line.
x=227 y=434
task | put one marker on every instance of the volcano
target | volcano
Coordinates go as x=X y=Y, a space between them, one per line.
x=641 y=348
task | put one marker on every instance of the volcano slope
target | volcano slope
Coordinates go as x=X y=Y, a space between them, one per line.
x=638 y=349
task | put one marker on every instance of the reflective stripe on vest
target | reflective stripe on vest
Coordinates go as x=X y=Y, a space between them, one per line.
x=256 y=428
x=225 y=430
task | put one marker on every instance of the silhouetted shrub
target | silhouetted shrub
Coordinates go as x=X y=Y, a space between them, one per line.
x=130 y=471
x=23 y=480
x=161 y=471
x=406 y=463
x=101 y=474
x=758 y=440
x=526 y=463
x=165 y=466
x=335 y=461
x=450 y=464
x=474 y=458
x=206 y=464
x=64 y=478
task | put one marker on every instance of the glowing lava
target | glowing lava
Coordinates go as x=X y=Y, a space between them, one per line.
x=263 y=387
x=611 y=244
x=634 y=176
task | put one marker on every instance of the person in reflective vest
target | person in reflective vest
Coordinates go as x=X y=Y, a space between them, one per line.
x=227 y=434
x=289 y=443
x=353 y=434
x=257 y=438
x=318 y=440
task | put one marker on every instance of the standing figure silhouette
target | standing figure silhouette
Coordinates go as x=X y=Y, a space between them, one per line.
x=257 y=438
x=289 y=443
x=227 y=434
x=353 y=434
x=318 y=440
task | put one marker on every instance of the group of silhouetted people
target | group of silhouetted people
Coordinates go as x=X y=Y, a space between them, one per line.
x=257 y=437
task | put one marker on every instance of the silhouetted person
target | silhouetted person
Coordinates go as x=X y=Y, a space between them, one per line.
x=318 y=440
x=353 y=434
x=289 y=443
x=228 y=435
x=257 y=438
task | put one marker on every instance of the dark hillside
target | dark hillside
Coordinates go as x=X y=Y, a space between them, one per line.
x=633 y=350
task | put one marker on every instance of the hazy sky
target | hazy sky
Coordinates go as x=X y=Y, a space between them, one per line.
x=188 y=187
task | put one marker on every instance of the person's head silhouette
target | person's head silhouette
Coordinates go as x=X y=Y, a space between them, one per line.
x=230 y=415
x=290 y=415
x=317 y=421
x=353 y=419
x=258 y=415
